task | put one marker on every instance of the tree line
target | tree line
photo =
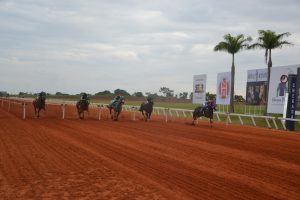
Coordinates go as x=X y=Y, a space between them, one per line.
x=166 y=93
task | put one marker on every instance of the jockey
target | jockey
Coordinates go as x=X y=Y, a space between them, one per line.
x=84 y=97
x=114 y=101
x=208 y=103
x=41 y=95
x=149 y=99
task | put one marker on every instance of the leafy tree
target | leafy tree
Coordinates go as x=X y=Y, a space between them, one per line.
x=239 y=98
x=121 y=92
x=105 y=92
x=233 y=45
x=3 y=94
x=153 y=95
x=183 y=95
x=210 y=96
x=191 y=95
x=61 y=94
x=23 y=94
x=269 y=40
x=166 y=91
x=138 y=94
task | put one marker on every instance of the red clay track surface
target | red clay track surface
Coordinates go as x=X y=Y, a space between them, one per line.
x=51 y=158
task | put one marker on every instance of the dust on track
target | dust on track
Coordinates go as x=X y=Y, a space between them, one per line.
x=52 y=158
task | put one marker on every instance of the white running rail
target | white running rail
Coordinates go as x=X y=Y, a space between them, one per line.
x=166 y=112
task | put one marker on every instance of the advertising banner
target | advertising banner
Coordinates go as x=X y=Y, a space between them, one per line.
x=279 y=86
x=223 y=88
x=199 y=89
x=298 y=91
x=256 y=88
x=291 y=105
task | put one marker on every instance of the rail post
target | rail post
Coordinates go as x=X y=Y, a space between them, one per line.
x=2 y=103
x=63 y=107
x=184 y=115
x=99 y=111
x=8 y=105
x=166 y=114
x=218 y=117
x=253 y=121
x=133 y=114
x=241 y=121
x=228 y=120
x=177 y=113
x=275 y=124
x=24 y=110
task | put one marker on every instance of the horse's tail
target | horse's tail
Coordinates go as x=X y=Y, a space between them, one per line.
x=197 y=113
x=194 y=115
x=142 y=107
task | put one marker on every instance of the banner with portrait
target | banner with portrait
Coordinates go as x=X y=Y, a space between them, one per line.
x=199 y=89
x=256 y=89
x=223 y=88
x=279 y=87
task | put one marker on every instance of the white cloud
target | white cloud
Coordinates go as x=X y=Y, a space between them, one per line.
x=149 y=43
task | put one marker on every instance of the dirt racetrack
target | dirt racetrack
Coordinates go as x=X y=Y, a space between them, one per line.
x=51 y=158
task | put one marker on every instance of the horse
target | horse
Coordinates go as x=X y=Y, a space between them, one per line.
x=146 y=109
x=82 y=105
x=117 y=107
x=208 y=113
x=38 y=105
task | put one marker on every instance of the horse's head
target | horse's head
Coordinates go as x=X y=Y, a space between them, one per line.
x=121 y=100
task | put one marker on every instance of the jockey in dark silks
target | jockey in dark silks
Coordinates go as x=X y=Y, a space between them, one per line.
x=208 y=103
x=85 y=98
x=149 y=99
x=114 y=101
x=41 y=96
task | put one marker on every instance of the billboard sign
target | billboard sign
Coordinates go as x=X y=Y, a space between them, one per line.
x=256 y=88
x=223 y=88
x=279 y=86
x=298 y=91
x=291 y=103
x=199 y=89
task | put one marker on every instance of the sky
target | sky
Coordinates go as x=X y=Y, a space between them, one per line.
x=75 y=46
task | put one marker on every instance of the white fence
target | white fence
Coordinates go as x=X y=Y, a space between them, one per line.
x=287 y=119
x=166 y=112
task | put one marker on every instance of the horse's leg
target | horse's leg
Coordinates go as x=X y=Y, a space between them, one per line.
x=112 y=114
x=115 y=117
x=78 y=111
x=210 y=121
x=148 y=115
x=194 y=118
x=144 y=115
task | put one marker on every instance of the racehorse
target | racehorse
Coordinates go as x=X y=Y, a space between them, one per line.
x=38 y=105
x=208 y=113
x=146 y=109
x=82 y=105
x=117 y=108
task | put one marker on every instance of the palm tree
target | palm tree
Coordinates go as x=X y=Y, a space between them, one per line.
x=233 y=45
x=269 y=40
